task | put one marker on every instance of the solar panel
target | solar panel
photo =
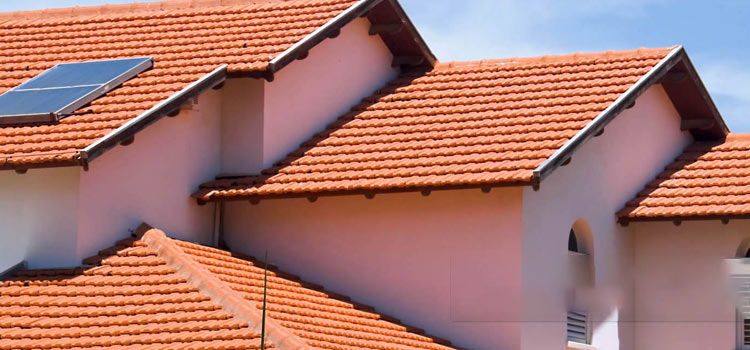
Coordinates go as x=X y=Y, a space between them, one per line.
x=65 y=88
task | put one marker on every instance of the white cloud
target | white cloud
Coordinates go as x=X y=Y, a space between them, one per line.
x=727 y=82
x=466 y=30
x=727 y=79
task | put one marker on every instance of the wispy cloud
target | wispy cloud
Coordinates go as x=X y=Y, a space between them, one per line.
x=728 y=83
x=505 y=28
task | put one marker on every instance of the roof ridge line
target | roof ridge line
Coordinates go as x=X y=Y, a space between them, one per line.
x=109 y=9
x=229 y=300
x=642 y=51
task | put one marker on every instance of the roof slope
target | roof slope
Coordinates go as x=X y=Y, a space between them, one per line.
x=159 y=293
x=187 y=39
x=468 y=124
x=709 y=180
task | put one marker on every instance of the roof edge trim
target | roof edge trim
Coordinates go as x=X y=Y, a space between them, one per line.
x=229 y=300
x=412 y=29
x=301 y=48
x=132 y=127
x=625 y=220
x=605 y=117
x=205 y=195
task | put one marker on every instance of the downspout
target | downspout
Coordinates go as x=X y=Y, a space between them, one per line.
x=218 y=234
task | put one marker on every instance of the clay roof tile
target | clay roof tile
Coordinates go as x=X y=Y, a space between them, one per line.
x=157 y=292
x=709 y=180
x=461 y=124
x=187 y=39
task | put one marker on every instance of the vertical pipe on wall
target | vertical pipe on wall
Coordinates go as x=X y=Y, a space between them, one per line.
x=218 y=235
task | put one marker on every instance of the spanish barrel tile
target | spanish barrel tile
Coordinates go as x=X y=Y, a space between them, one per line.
x=488 y=122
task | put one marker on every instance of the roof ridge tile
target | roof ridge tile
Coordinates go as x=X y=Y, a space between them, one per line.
x=643 y=51
x=221 y=294
x=84 y=11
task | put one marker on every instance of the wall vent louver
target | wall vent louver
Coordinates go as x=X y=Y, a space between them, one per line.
x=577 y=327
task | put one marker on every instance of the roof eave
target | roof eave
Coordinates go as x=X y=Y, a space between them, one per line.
x=127 y=131
x=204 y=195
x=676 y=62
x=625 y=220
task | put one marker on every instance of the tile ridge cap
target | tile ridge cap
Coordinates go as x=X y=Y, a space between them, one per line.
x=229 y=300
x=643 y=51
x=114 y=9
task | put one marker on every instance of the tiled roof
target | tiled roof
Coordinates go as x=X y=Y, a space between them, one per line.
x=464 y=124
x=160 y=293
x=707 y=181
x=187 y=39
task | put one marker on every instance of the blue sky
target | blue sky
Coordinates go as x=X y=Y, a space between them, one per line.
x=714 y=33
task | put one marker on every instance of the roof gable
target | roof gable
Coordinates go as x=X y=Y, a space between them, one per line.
x=195 y=45
x=163 y=293
x=463 y=125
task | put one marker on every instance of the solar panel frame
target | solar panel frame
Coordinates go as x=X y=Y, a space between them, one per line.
x=140 y=65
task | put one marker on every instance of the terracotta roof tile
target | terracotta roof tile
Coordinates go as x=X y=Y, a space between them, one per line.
x=159 y=293
x=489 y=122
x=187 y=40
x=708 y=180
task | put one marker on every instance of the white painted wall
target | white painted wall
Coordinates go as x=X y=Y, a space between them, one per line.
x=242 y=126
x=152 y=179
x=448 y=263
x=681 y=294
x=38 y=217
x=605 y=173
x=241 y=129
x=309 y=94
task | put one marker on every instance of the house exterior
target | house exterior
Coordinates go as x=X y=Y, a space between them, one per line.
x=583 y=201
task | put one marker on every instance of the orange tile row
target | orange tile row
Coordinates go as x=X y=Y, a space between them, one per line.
x=459 y=124
x=186 y=41
x=706 y=180
x=309 y=314
x=132 y=298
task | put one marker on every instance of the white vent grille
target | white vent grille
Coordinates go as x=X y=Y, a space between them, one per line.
x=577 y=327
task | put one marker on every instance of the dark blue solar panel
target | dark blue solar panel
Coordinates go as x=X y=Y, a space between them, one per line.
x=65 y=88
x=83 y=73
x=41 y=102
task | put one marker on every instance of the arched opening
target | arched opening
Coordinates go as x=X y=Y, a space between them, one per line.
x=580 y=238
x=743 y=249
x=580 y=282
x=573 y=242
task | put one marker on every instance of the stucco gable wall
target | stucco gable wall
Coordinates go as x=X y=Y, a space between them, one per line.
x=151 y=180
x=605 y=173
x=448 y=263
x=308 y=94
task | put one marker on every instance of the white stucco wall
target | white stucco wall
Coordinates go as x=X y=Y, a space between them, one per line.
x=681 y=291
x=605 y=173
x=38 y=217
x=448 y=263
x=309 y=94
x=242 y=126
x=152 y=179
